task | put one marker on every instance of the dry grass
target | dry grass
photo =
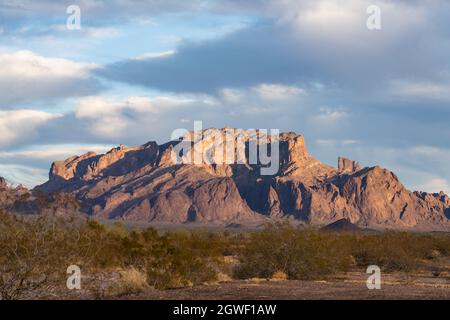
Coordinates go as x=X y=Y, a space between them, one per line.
x=279 y=276
x=131 y=281
x=223 y=277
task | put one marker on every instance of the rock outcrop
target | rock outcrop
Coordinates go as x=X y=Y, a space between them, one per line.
x=209 y=184
x=346 y=165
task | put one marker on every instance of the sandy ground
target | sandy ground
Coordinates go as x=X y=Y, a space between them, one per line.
x=351 y=286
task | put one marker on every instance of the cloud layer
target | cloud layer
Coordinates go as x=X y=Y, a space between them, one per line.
x=309 y=66
x=27 y=77
x=18 y=125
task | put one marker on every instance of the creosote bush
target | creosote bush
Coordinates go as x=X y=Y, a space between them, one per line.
x=35 y=252
x=298 y=254
x=313 y=254
x=398 y=251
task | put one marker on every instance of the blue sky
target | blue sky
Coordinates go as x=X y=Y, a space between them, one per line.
x=137 y=70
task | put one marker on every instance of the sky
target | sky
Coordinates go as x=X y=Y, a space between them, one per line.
x=137 y=70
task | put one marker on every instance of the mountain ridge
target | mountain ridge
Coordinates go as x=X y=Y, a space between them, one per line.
x=144 y=184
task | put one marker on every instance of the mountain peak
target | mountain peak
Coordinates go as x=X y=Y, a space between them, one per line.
x=144 y=183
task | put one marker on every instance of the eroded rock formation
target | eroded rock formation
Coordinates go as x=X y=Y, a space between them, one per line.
x=145 y=184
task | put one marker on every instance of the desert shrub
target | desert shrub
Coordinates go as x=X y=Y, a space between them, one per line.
x=170 y=260
x=31 y=249
x=309 y=254
x=374 y=250
x=398 y=251
x=35 y=252
x=131 y=281
x=182 y=259
x=442 y=244
x=299 y=254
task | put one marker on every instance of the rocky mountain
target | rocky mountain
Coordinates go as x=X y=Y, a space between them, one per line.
x=9 y=196
x=145 y=184
x=21 y=200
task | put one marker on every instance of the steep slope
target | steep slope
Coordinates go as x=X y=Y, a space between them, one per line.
x=145 y=183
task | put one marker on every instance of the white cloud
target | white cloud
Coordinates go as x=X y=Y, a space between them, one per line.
x=336 y=143
x=155 y=55
x=328 y=116
x=25 y=175
x=99 y=9
x=27 y=65
x=420 y=89
x=430 y=151
x=101 y=33
x=344 y=22
x=111 y=115
x=436 y=185
x=85 y=31
x=106 y=114
x=329 y=15
x=111 y=126
x=232 y=95
x=16 y=125
x=262 y=93
x=25 y=76
x=53 y=152
x=277 y=91
x=98 y=106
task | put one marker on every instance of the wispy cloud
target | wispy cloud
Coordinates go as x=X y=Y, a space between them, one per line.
x=17 y=125
x=25 y=76
x=424 y=90
x=278 y=91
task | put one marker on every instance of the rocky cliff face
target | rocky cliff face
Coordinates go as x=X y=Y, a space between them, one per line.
x=145 y=184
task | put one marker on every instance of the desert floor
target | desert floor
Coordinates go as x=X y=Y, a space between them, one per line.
x=349 y=286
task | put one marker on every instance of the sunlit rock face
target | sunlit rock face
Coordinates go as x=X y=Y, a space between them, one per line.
x=212 y=177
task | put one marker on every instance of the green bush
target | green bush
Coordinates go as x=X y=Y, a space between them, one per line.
x=299 y=254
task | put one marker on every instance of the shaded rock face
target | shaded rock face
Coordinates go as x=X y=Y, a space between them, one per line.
x=145 y=184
